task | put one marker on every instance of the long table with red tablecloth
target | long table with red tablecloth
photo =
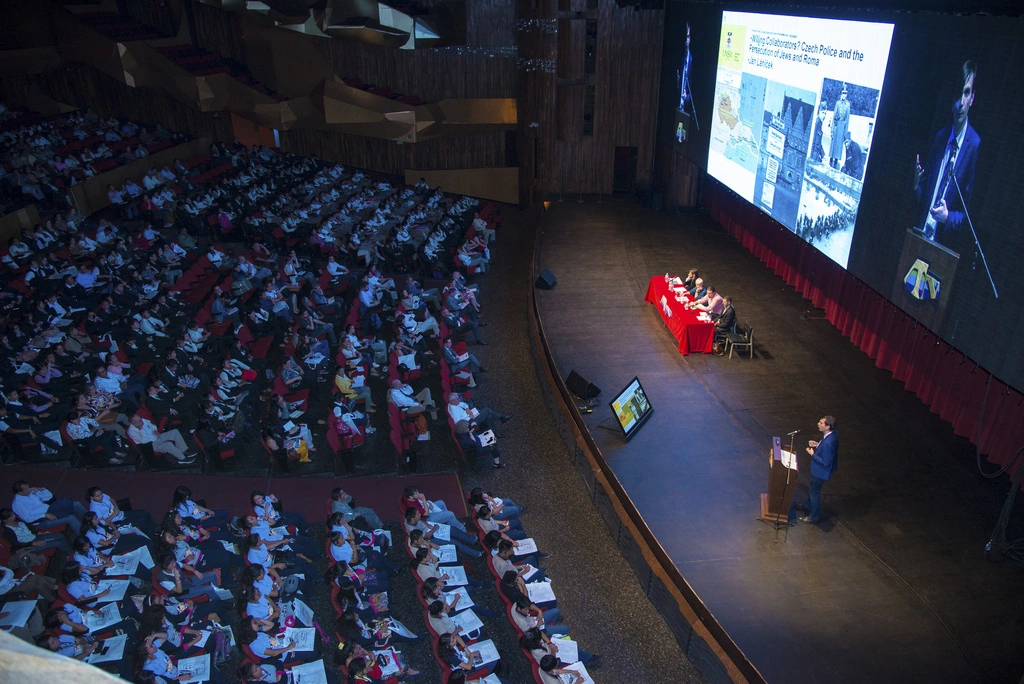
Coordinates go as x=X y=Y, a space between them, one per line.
x=694 y=335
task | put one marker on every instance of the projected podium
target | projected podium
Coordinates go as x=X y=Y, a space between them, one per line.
x=782 y=479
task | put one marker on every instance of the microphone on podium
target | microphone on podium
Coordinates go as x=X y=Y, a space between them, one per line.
x=790 y=434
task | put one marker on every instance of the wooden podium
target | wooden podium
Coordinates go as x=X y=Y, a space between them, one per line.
x=782 y=478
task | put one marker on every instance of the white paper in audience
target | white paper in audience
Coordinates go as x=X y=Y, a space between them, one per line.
x=526 y=547
x=463 y=357
x=529 y=573
x=108 y=615
x=390 y=666
x=409 y=360
x=125 y=564
x=444 y=532
x=20 y=612
x=309 y=673
x=465 y=600
x=145 y=557
x=117 y=590
x=303 y=613
x=110 y=649
x=580 y=669
x=456 y=575
x=282 y=530
x=231 y=634
x=222 y=594
x=204 y=636
x=55 y=436
x=359 y=381
x=132 y=529
x=304 y=637
x=385 y=533
x=487 y=438
x=473 y=413
x=568 y=651
x=490 y=679
x=229 y=547
x=198 y=667
x=540 y=592
x=447 y=554
x=487 y=650
x=467 y=621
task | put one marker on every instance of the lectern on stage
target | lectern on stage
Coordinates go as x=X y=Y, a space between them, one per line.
x=782 y=478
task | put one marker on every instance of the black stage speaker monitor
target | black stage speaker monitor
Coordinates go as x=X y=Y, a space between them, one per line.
x=580 y=386
x=546 y=280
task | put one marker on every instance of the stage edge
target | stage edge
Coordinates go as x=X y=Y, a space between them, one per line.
x=701 y=637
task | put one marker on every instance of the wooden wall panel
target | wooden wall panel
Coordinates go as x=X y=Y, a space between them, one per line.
x=85 y=86
x=219 y=31
x=473 y=151
x=626 y=84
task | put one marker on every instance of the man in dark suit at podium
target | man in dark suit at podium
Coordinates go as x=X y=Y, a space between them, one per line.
x=954 y=153
x=824 y=460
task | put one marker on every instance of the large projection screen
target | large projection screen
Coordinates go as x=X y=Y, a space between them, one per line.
x=793 y=118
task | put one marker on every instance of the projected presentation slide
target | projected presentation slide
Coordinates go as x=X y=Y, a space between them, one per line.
x=793 y=117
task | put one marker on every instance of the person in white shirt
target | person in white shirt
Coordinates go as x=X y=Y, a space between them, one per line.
x=411 y=402
x=143 y=431
x=36 y=506
x=460 y=410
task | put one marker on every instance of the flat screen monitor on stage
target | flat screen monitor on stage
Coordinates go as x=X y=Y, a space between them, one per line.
x=793 y=117
x=631 y=408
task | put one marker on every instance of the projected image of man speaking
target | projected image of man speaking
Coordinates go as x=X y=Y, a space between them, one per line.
x=953 y=155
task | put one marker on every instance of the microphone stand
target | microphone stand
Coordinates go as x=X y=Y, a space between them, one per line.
x=693 y=105
x=782 y=494
x=974 y=234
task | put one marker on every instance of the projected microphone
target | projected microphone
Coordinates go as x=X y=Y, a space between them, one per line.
x=790 y=434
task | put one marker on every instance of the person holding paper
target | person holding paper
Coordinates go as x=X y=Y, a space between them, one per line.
x=171 y=578
x=108 y=537
x=502 y=508
x=433 y=590
x=502 y=561
x=539 y=645
x=344 y=382
x=514 y=589
x=551 y=673
x=510 y=530
x=461 y=410
x=526 y=620
x=434 y=511
x=484 y=441
x=86 y=555
x=463 y=541
x=460 y=362
x=453 y=650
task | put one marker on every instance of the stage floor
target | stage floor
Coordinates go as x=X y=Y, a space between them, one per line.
x=893 y=584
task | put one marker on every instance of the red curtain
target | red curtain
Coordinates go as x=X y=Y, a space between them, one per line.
x=950 y=384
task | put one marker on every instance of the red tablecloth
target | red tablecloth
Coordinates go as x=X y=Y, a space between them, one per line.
x=694 y=335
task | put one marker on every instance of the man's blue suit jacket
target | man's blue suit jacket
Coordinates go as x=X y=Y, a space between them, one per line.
x=826 y=457
x=950 y=234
